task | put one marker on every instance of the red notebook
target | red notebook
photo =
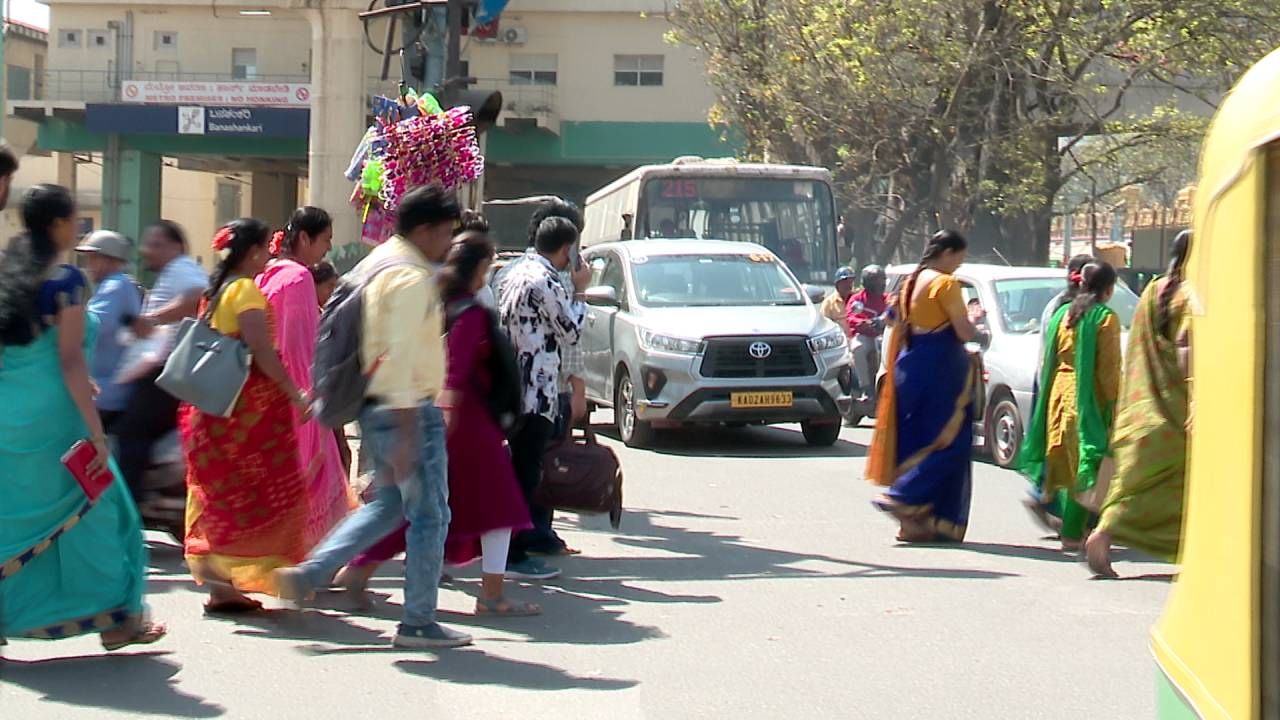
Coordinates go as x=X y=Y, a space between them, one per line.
x=77 y=461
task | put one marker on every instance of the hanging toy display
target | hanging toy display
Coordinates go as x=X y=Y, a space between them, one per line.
x=412 y=143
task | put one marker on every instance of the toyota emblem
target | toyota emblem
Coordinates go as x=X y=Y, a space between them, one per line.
x=760 y=350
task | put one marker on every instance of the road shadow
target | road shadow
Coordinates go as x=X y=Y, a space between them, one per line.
x=476 y=667
x=138 y=683
x=315 y=625
x=763 y=442
x=1012 y=550
x=715 y=556
x=574 y=611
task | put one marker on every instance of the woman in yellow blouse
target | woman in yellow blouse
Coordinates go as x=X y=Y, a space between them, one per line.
x=247 y=496
x=924 y=428
x=1070 y=431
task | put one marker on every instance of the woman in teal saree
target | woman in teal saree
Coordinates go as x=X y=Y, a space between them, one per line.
x=68 y=566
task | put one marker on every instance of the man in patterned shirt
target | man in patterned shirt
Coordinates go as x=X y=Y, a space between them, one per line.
x=541 y=317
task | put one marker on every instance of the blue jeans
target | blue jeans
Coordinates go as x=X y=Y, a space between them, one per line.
x=423 y=500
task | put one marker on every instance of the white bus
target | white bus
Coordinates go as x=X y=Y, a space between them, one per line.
x=787 y=208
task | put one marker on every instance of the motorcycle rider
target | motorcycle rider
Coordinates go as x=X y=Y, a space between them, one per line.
x=152 y=413
x=835 y=307
x=866 y=310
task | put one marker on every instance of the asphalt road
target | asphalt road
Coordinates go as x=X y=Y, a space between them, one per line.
x=751 y=579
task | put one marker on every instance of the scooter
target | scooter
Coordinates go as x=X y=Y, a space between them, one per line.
x=866 y=406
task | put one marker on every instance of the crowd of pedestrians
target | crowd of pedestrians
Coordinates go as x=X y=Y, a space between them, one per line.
x=270 y=505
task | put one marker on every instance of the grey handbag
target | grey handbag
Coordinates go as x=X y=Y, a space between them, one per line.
x=206 y=368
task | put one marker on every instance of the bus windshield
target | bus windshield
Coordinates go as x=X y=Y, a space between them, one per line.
x=793 y=218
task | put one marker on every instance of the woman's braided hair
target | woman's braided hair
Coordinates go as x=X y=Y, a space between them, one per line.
x=240 y=236
x=1098 y=279
x=1177 y=266
x=942 y=242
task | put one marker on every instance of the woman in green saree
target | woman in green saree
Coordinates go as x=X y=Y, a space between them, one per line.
x=1069 y=432
x=1143 y=508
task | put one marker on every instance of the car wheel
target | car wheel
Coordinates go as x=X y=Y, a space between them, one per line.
x=633 y=431
x=820 y=434
x=1004 y=432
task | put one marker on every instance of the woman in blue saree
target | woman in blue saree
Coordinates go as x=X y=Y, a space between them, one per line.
x=923 y=437
x=68 y=566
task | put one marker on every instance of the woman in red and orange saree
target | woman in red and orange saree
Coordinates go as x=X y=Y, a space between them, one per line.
x=247 y=502
x=924 y=426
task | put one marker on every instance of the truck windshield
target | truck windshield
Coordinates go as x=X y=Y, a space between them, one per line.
x=713 y=281
x=793 y=218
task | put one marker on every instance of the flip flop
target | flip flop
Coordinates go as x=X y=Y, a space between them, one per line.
x=246 y=606
x=146 y=633
x=514 y=608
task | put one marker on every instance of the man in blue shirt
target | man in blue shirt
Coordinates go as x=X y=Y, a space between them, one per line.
x=115 y=304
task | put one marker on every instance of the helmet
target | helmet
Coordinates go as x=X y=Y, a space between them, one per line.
x=844 y=272
x=872 y=273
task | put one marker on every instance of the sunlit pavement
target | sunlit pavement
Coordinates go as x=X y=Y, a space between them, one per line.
x=750 y=578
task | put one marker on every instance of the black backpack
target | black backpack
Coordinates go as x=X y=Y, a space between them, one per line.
x=339 y=381
x=505 y=399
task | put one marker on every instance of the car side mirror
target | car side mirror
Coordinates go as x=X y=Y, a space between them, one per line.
x=601 y=295
x=816 y=294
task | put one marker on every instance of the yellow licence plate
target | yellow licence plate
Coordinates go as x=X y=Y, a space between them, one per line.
x=761 y=399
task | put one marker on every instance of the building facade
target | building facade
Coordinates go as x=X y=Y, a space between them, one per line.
x=262 y=106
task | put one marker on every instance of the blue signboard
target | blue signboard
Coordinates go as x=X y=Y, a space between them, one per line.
x=198 y=120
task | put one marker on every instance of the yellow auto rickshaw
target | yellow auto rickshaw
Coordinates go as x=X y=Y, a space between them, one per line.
x=1218 y=643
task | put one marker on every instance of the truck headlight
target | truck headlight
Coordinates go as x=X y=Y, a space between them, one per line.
x=650 y=340
x=827 y=341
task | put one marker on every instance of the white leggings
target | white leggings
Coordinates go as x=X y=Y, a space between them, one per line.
x=493 y=548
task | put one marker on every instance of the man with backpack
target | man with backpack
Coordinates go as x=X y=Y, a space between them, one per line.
x=401 y=357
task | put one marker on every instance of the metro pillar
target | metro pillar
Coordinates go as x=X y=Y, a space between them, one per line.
x=338 y=111
x=130 y=189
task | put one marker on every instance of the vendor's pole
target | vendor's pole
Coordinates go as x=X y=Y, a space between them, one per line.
x=453 y=55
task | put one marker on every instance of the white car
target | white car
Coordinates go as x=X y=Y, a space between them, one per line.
x=1013 y=298
x=687 y=332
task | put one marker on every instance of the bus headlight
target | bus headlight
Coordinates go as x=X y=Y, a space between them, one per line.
x=827 y=341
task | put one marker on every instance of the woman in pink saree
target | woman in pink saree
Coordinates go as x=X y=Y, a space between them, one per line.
x=289 y=287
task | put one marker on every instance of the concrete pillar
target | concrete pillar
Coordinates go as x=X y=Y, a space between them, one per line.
x=66 y=170
x=130 y=190
x=273 y=197
x=338 y=111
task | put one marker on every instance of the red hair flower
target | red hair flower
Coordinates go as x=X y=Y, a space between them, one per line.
x=277 y=243
x=1076 y=278
x=222 y=239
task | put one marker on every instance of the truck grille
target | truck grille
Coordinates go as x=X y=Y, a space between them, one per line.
x=732 y=358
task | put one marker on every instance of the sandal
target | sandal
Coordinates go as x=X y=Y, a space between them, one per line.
x=505 y=607
x=238 y=606
x=143 y=633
